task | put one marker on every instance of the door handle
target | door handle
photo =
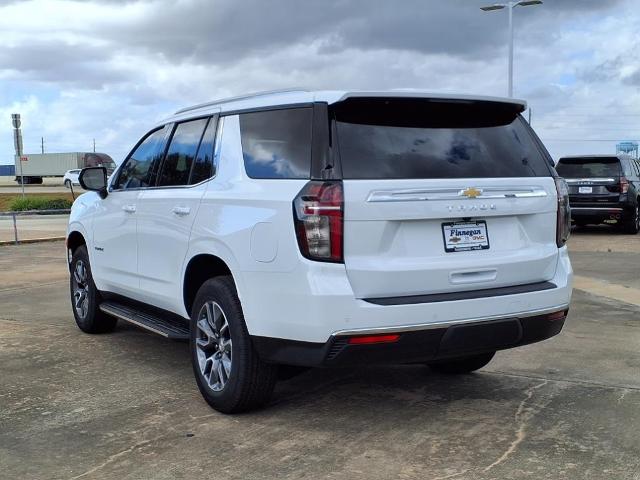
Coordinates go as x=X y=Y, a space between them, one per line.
x=129 y=208
x=181 y=211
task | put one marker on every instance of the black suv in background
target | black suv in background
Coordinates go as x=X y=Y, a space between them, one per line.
x=603 y=189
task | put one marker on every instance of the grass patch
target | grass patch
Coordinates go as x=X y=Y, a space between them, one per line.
x=13 y=202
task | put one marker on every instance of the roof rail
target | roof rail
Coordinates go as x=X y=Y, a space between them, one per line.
x=240 y=97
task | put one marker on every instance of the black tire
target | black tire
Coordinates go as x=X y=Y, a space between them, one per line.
x=460 y=365
x=249 y=382
x=67 y=183
x=85 y=297
x=632 y=226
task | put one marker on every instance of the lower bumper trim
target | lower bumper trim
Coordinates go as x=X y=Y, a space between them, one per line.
x=416 y=346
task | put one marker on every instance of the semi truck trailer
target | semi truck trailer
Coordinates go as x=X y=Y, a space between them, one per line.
x=36 y=166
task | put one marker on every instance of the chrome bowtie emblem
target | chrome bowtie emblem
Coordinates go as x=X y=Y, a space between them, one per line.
x=470 y=192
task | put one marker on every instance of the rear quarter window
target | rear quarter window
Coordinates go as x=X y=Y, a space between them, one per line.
x=415 y=139
x=277 y=143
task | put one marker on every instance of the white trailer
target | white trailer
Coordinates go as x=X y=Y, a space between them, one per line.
x=36 y=166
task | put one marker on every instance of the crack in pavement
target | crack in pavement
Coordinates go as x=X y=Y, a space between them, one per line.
x=562 y=380
x=522 y=420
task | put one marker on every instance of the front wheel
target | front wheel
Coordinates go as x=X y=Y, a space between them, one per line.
x=230 y=375
x=67 y=183
x=85 y=297
x=460 y=365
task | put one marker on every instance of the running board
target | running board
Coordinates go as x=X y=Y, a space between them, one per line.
x=167 y=328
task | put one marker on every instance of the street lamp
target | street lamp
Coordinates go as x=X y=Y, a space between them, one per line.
x=510 y=6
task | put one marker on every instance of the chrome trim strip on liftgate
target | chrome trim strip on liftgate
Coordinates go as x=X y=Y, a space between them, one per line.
x=435 y=194
x=589 y=180
x=432 y=326
x=607 y=209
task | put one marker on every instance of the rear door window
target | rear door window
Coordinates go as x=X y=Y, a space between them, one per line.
x=181 y=154
x=589 y=167
x=277 y=143
x=416 y=139
x=204 y=167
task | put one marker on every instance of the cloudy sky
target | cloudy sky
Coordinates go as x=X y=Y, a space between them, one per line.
x=79 y=70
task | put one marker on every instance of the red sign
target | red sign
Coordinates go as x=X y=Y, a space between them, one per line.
x=24 y=159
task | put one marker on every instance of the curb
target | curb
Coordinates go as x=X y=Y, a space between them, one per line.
x=32 y=240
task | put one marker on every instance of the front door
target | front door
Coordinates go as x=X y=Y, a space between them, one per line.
x=115 y=225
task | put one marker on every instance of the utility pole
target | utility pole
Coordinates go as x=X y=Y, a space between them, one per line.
x=94 y=145
x=17 y=142
x=42 y=144
x=529 y=115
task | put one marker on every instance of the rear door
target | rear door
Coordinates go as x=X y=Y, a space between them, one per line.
x=443 y=197
x=594 y=182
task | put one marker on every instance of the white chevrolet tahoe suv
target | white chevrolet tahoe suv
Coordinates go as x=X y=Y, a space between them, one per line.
x=327 y=228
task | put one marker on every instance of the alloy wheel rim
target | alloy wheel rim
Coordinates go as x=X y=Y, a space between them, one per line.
x=80 y=289
x=214 y=346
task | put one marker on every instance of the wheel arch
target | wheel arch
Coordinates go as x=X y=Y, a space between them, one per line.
x=75 y=239
x=201 y=268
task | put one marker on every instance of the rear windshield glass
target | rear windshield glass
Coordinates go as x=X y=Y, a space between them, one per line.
x=410 y=138
x=588 y=167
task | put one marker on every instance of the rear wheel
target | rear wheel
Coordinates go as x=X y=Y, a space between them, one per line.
x=229 y=373
x=85 y=297
x=67 y=183
x=467 y=364
x=632 y=225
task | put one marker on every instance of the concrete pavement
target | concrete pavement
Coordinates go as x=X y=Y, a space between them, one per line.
x=125 y=406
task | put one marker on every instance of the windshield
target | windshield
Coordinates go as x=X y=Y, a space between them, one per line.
x=588 y=167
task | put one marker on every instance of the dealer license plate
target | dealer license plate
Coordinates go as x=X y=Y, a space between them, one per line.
x=465 y=236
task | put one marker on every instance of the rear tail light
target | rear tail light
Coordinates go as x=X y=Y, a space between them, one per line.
x=563 y=225
x=318 y=218
x=555 y=316
x=373 y=339
x=624 y=185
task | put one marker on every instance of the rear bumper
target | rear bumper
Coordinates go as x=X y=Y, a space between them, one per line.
x=315 y=303
x=600 y=214
x=431 y=343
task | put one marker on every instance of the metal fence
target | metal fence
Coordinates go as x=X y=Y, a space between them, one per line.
x=30 y=213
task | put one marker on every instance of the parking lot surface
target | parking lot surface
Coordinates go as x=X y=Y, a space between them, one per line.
x=125 y=405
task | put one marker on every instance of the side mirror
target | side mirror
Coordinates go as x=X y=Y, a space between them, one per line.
x=94 y=179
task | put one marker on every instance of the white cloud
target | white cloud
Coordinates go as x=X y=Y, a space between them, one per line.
x=109 y=70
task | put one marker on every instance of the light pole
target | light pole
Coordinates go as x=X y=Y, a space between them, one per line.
x=511 y=6
x=17 y=142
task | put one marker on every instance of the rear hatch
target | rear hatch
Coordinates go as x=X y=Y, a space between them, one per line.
x=443 y=196
x=594 y=182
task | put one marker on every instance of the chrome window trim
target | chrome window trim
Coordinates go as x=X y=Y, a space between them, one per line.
x=215 y=159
